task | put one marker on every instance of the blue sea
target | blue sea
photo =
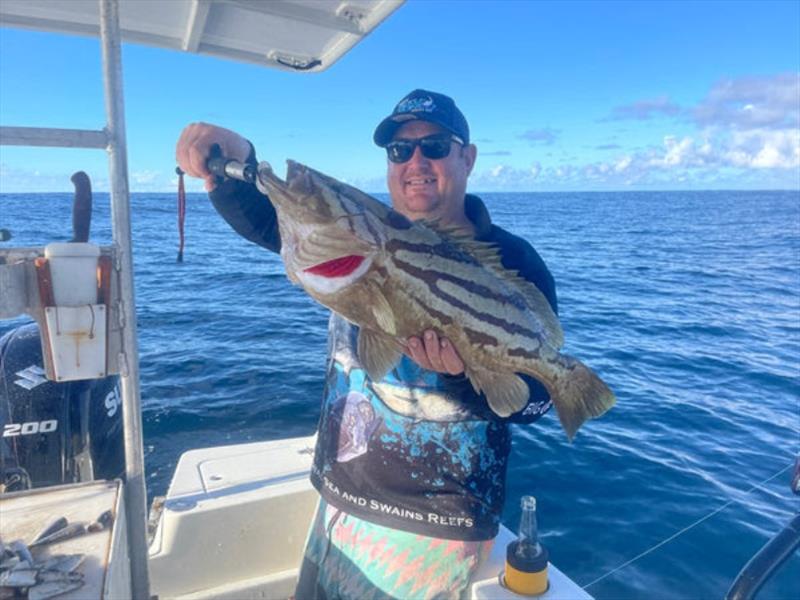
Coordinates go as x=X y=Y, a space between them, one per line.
x=686 y=303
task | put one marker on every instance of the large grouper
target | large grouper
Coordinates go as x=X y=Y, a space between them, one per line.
x=395 y=278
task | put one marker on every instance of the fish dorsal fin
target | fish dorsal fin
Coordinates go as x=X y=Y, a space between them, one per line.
x=353 y=193
x=485 y=253
x=488 y=254
x=539 y=304
x=377 y=352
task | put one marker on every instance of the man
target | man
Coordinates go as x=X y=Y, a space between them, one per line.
x=411 y=469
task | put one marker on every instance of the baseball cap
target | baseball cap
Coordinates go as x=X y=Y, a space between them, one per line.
x=423 y=105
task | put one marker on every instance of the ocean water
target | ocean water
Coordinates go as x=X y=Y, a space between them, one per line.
x=686 y=303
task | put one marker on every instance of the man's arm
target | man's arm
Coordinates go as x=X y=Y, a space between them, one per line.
x=518 y=255
x=244 y=208
x=248 y=211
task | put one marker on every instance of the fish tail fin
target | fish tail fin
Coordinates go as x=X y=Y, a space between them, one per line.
x=579 y=395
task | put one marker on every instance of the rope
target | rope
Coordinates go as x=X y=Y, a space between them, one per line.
x=687 y=528
x=181 y=211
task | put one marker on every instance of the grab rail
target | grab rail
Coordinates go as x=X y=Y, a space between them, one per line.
x=48 y=136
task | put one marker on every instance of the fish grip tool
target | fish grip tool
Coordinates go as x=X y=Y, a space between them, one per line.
x=228 y=168
x=225 y=168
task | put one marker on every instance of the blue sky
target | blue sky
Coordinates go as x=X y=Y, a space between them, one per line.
x=559 y=96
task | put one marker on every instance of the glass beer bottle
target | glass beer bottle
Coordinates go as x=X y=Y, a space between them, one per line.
x=526 y=558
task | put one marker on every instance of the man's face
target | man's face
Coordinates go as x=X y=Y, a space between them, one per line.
x=422 y=188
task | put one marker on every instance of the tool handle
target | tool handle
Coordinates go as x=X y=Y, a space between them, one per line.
x=224 y=167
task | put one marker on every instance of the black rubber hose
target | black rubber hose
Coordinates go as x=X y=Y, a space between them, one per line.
x=81 y=207
x=761 y=567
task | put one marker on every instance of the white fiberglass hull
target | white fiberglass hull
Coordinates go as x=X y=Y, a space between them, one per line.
x=234 y=523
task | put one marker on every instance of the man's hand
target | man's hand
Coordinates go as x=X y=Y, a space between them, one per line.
x=434 y=354
x=194 y=148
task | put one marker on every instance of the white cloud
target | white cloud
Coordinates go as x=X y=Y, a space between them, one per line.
x=765 y=149
x=498 y=170
x=622 y=164
x=505 y=177
x=771 y=102
x=145 y=178
x=14 y=180
x=747 y=130
x=643 y=110
x=545 y=135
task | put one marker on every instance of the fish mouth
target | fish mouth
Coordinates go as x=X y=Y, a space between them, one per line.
x=338 y=267
x=298 y=180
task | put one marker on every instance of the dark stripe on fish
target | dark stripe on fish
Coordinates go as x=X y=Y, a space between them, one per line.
x=397 y=220
x=523 y=353
x=430 y=277
x=443 y=249
x=442 y=318
x=480 y=338
x=451 y=252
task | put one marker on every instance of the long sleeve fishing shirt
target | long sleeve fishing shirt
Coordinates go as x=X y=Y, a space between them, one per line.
x=418 y=451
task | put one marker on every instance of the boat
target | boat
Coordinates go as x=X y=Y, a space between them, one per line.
x=234 y=520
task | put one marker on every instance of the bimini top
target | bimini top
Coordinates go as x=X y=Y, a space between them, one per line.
x=295 y=35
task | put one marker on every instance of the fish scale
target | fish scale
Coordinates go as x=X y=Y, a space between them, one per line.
x=415 y=276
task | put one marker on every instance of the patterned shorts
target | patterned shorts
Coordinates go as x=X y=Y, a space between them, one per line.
x=349 y=558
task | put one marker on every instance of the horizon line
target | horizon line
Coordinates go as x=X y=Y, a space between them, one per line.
x=545 y=191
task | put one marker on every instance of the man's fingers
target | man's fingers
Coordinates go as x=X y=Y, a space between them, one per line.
x=432 y=349
x=198 y=155
x=434 y=353
x=450 y=359
x=416 y=350
x=194 y=146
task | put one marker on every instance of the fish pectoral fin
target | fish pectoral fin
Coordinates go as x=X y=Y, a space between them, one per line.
x=506 y=393
x=377 y=352
x=383 y=312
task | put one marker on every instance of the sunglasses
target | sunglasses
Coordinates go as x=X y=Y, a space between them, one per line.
x=433 y=147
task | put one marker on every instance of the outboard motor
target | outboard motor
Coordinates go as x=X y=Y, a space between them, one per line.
x=54 y=433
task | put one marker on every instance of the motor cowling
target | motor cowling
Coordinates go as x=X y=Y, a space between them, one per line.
x=54 y=433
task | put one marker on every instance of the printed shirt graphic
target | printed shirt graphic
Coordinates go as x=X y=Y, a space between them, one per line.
x=415 y=451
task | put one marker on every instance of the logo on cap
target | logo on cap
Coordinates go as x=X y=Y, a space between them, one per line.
x=419 y=104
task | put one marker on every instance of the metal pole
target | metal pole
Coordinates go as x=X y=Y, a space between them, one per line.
x=135 y=495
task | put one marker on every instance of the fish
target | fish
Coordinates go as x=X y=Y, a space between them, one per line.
x=19 y=577
x=51 y=528
x=64 y=533
x=395 y=278
x=63 y=563
x=22 y=550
